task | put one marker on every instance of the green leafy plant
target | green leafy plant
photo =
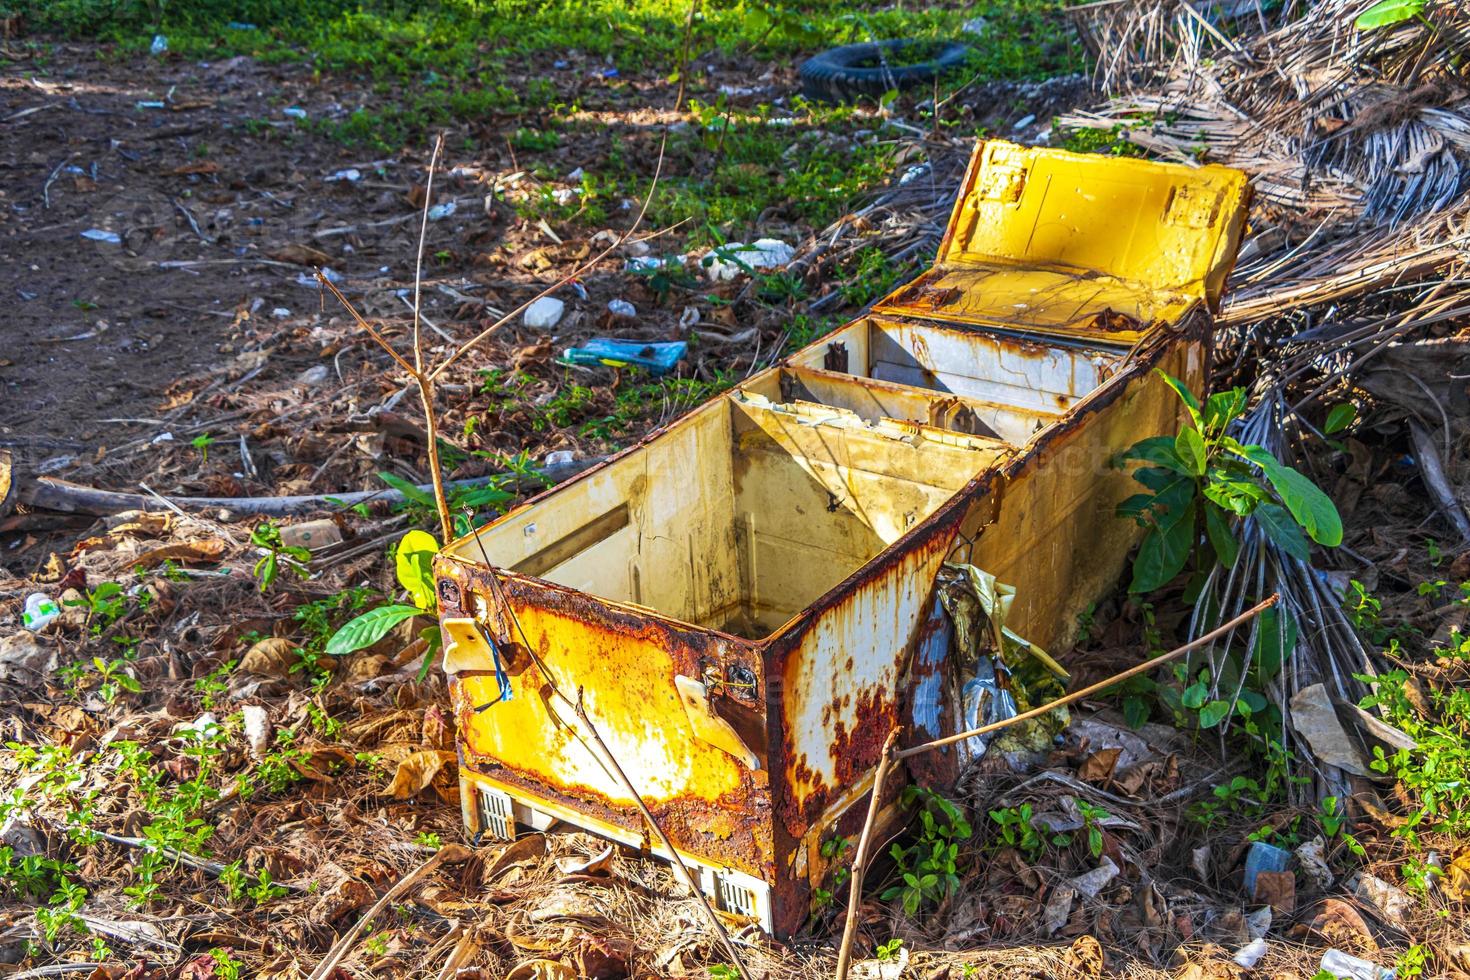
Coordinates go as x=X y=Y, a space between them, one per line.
x=278 y=555
x=105 y=605
x=226 y=967
x=889 y=951
x=202 y=442
x=1203 y=478
x=413 y=564
x=928 y=867
x=1092 y=817
x=1387 y=13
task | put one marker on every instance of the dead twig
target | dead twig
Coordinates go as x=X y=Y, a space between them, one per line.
x=860 y=860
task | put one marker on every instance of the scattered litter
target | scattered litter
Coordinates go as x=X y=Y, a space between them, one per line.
x=914 y=173
x=566 y=195
x=561 y=64
x=576 y=175
x=559 y=457
x=311 y=534
x=280 y=313
x=313 y=375
x=100 y=235
x=148 y=104
x=1347 y=967
x=578 y=288
x=1092 y=882
x=159 y=45
x=1023 y=122
x=1320 y=720
x=236 y=25
x=652 y=263
x=257 y=727
x=1263 y=857
x=1258 y=923
x=308 y=279
x=726 y=262
x=294 y=112
x=689 y=317
x=206 y=722
x=975 y=25
x=890 y=968
x=544 y=314
x=1312 y=857
x=610 y=73
x=1250 y=954
x=40 y=612
x=351 y=175
x=161 y=438
x=1392 y=904
x=621 y=307
x=441 y=211
x=657 y=358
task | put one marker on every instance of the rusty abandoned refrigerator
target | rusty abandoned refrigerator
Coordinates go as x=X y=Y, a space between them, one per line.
x=744 y=600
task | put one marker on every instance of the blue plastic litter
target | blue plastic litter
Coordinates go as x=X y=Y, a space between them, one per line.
x=1263 y=857
x=658 y=358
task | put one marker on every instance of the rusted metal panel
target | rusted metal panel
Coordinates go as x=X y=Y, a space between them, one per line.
x=744 y=602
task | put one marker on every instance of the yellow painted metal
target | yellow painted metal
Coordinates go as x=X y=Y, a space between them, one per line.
x=744 y=601
x=1080 y=245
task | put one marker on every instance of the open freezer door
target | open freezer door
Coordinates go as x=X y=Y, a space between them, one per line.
x=1095 y=248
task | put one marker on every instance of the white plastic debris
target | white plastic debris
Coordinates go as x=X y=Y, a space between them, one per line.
x=1313 y=860
x=1091 y=882
x=728 y=261
x=559 y=457
x=913 y=173
x=162 y=437
x=1392 y=904
x=621 y=307
x=100 y=235
x=257 y=727
x=1250 y=954
x=441 y=211
x=159 y=45
x=280 y=313
x=313 y=375
x=203 y=724
x=975 y=25
x=566 y=195
x=294 y=112
x=40 y=612
x=352 y=175
x=544 y=314
x=576 y=175
x=1346 y=967
x=308 y=279
x=1023 y=122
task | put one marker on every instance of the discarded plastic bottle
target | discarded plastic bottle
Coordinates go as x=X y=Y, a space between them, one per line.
x=656 y=358
x=1346 y=967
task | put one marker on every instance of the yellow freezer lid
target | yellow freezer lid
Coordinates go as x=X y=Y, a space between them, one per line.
x=1075 y=244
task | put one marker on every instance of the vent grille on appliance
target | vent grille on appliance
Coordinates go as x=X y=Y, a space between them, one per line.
x=738 y=899
x=496 y=816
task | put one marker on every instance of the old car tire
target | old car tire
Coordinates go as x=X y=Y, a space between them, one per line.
x=858 y=69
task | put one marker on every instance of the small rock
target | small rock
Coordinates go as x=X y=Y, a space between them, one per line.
x=313 y=375
x=621 y=307
x=544 y=314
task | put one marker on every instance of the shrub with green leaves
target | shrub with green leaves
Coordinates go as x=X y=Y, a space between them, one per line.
x=413 y=563
x=1202 y=483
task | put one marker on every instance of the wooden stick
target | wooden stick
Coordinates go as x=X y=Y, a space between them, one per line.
x=49 y=493
x=344 y=945
x=860 y=860
x=1091 y=689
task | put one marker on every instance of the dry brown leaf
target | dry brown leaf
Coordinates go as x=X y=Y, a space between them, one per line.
x=1339 y=924
x=273 y=656
x=417 y=772
x=1277 y=889
x=1457 y=877
x=195 y=167
x=542 y=970
x=1098 y=768
x=202 y=549
x=1086 y=954
x=522 y=851
x=346 y=896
